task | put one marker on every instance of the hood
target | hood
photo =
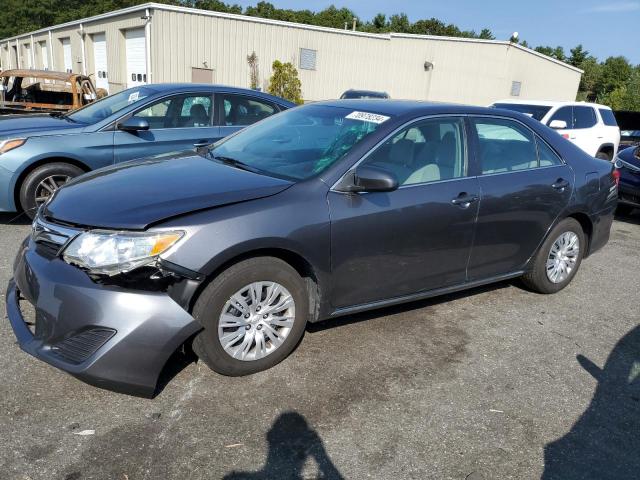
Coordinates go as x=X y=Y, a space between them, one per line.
x=24 y=125
x=134 y=195
x=631 y=155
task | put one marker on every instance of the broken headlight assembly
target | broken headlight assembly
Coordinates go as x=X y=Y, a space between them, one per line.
x=111 y=253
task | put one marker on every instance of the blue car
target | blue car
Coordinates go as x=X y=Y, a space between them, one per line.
x=38 y=154
x=627 y=163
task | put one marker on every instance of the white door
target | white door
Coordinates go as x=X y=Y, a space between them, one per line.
x=136 y=57
x=44 y=53
x=100 y=60
x=66 y=54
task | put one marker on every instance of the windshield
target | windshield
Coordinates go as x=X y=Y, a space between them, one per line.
x=96 y=111
x=535 y=111
x=299 y=143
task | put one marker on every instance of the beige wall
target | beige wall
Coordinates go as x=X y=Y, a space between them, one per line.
x=474 y=72
x=465 y=71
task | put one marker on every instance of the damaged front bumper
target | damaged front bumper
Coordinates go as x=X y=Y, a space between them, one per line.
x=106 y=335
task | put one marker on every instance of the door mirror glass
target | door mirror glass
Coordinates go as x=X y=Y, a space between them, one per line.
x=371 y=179
x=558 y=124
x=134 y=124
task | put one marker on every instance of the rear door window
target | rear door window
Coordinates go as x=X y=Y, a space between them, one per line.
x=504 y=145
x=564 y=114
x=608 y=118
x=241 y=110
x=584 y=117
x=546 y=155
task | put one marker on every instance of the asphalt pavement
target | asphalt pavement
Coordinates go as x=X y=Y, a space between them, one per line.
x=492 y=383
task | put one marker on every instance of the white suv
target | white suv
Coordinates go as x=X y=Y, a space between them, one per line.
x=590 y=126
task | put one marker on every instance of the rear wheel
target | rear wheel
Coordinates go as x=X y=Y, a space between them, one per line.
x=43 y=182
x=253 y=314
x=603 y=156
x=559 y=258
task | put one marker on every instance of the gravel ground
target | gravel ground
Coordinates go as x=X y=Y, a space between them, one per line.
x=491 y=383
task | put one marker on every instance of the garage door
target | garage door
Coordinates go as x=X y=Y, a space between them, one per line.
x=44 y=53
x=66 y=54
x=136 y=57
x=27 y=55
x=100 y=60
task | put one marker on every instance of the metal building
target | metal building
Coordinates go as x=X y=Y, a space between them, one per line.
x=153 y=43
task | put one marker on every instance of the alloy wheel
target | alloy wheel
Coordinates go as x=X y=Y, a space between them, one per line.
x=47 y=187
x=256 y=320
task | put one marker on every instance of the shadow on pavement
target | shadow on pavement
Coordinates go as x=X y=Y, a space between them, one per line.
x=605 y=442
x=14 y=218
x=291 y=443
x=632 y=218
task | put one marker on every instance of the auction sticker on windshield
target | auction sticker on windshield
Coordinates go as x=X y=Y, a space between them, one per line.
x=367 y=117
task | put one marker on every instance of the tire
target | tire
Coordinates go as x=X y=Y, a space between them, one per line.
x=537 y=278
x=210 y=304
x=31 y=188
x=603 y=156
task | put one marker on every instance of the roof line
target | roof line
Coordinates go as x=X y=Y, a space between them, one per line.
x=246 y=18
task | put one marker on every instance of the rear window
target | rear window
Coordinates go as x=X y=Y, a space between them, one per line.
x=607 y=117
x=584 y=117
x=534 y=111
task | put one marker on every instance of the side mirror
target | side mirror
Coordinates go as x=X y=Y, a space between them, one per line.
x=558 y=124
x=369 y=179
x=133 y=124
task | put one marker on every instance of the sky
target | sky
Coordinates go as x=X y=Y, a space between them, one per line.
x=604 y=28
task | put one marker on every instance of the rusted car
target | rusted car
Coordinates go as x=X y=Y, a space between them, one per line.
x=38 y=91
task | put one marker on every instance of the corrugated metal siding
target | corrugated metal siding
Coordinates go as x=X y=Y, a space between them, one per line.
x=464 y=72
x=472 y=72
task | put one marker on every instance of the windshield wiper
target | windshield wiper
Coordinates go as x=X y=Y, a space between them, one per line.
x=235 y=163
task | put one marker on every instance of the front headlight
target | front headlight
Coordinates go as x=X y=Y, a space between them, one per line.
x=6 y=145
x=110 y=253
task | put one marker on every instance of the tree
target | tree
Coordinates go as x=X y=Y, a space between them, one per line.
x=616 y=71
x=284 y=82
x=558 y=54
x=590 y=78
x=252 y=60
x=399 y=23
x=486 y=34
x=578 y=55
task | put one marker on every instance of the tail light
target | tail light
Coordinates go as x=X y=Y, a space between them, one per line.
x=615 y=175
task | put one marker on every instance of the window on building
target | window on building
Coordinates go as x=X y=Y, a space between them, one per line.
x=308 y=59
x=515 y=88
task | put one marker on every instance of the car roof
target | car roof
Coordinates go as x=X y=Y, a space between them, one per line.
x=191 y=87
x=357 y=90
x=401 y=107
x=552 y=103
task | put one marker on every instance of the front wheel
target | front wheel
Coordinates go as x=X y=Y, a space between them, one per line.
x=43 y=182
x=253 y=314
x=559 y=258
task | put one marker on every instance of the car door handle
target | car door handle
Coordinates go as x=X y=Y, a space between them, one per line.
x=560 y=184
x=464 y=200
